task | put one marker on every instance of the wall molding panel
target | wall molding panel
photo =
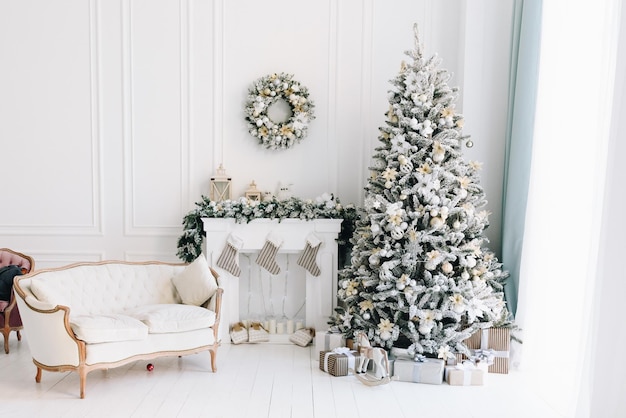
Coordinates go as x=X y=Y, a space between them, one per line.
x=137 y=206
x=333 y=81
x=217 y=82
x=94 y=228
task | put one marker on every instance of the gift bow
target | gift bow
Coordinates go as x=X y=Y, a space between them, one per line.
x=419 y=358
x=487 y=356
x=341 y=350
x=466 y=365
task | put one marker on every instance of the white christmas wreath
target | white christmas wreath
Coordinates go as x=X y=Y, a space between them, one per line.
x=267 y=91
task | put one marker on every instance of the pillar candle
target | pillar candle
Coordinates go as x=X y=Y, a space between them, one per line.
x=299 y=325
x=272 y=329
x=280 y=328
x=290 y=326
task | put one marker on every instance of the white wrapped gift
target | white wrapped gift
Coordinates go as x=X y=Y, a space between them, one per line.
x=327 y=341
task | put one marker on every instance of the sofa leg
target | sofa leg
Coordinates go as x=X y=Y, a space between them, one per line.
x=83 y=381
x=213 y=362
x=38 y=375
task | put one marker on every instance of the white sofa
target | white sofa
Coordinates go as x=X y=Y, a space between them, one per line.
x=90 y=316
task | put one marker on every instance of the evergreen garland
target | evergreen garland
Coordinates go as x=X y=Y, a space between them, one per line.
x=244 y=210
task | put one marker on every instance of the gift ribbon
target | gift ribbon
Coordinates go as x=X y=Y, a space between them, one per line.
x=419 y=360
x=339 y=351
x=417 y=372
x=467 y=367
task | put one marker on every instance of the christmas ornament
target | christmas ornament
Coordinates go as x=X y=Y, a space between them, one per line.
x=150 y=367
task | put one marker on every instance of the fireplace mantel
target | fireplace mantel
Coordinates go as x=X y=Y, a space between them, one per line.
x=321 y=291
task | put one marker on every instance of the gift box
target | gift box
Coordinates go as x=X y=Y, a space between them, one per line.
x=338 y=361
x=423 y=370
x=491 y=345
x=327 y=341
x=302 y=337
x=465 y=374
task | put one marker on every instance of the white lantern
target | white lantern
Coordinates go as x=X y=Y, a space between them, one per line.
x=220 y=186
x=253 y=193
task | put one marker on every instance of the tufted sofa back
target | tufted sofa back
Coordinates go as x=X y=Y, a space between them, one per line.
x=105 y=287
x=13 y=258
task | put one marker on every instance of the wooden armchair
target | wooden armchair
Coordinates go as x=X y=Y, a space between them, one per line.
x=10 y=319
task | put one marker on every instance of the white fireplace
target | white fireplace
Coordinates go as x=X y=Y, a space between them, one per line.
x=320 y=292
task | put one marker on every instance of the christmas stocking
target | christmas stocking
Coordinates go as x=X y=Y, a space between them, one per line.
x=229 y=258
x=267 y=256
x=308 y=255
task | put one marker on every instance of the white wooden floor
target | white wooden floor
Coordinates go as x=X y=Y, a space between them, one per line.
x=263 y=380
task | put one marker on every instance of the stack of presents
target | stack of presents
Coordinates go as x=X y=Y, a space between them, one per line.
x=489 y=350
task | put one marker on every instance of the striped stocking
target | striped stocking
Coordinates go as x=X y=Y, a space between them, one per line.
x=309 y=254
x=267 y=256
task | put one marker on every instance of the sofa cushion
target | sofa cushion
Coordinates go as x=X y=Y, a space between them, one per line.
x=107 y=328
x=166 y=318
x=107 y=287
x=195 y=284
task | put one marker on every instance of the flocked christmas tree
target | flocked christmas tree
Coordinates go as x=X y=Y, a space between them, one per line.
x=420 y=272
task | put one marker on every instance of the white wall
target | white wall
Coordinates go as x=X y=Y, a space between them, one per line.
x=113 y=115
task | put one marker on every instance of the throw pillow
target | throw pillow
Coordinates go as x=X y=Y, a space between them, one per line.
x=195 y=284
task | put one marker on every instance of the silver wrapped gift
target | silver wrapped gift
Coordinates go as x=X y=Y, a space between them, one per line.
x=420 y=370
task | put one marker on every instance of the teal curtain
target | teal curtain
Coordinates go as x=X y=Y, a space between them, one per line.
x=518 y=151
